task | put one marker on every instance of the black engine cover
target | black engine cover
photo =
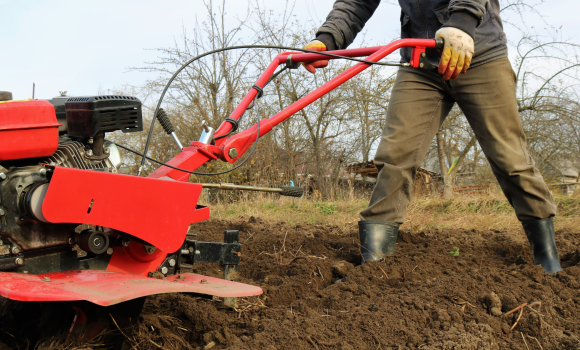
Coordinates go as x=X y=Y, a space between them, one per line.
x=86 y=116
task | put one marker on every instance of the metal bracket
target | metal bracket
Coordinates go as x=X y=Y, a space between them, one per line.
x=212 y=252
x=231 y=270
x=169 y=265
x=291 y=64
x=206 y=134
x=426 y=65
x=11 y=261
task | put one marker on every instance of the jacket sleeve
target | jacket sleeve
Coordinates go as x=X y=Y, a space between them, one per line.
x=476 y=8
x=345 y=21
x=466 y=14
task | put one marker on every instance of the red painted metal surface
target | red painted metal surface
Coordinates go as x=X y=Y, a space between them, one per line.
x=189 y=158
x=135 y=260
x=154 y=210
x=28 y=129
x=109 y=288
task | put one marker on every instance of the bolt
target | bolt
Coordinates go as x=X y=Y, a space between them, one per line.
x=423 y=54
x=126 y=243
x=46 y=279
x=97 y=241
x=2 y=176
x=110 y=251
x=164 y=270
x=90 y=153
x=15 y=250
x=233 y=153
x=70 y=241
x=19 y=261
x=171 y=262
x=2 y=212
x=42 y=172
x=421 y=65
x=197 y=252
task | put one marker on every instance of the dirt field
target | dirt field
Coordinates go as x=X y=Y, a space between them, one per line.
x=316 y=296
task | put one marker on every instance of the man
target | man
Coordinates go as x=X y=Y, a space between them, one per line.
x=474 y=72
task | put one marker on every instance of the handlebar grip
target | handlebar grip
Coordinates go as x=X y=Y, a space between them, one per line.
x=292 y=191
x=439 y=43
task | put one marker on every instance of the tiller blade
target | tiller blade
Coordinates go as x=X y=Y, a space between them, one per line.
x=108 y=288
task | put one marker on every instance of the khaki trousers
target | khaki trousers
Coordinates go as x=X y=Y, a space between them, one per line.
x=419 y=103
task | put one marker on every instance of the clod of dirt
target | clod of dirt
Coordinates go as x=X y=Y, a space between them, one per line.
x=493 y=303
x=341 y=268
x=156 y=274
x=508 y=302
x=443 y=319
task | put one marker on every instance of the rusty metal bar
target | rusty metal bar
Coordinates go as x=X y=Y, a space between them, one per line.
x=230 y=270
x=231 y=187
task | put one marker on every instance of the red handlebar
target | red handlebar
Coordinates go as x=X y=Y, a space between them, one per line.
x=198 y=153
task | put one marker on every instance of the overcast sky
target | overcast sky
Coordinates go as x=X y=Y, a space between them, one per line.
x=83 y=46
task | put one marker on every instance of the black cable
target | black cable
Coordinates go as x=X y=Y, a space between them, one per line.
x=275 y=75
x=144 y=155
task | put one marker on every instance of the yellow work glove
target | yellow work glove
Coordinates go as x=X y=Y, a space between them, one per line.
x=315 y=45
x=457 y=53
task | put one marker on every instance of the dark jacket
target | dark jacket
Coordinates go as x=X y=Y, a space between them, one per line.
x=421 y=19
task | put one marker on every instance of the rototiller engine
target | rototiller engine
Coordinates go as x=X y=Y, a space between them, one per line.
x=72 y=228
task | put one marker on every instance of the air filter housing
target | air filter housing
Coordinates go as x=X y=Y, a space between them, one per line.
x=86 y=116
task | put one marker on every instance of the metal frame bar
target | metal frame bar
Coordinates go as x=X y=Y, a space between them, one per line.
x=198 y=153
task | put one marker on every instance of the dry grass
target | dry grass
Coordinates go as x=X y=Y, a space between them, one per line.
x=474 y=212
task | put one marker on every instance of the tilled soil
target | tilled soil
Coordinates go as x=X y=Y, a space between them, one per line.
x=318 y=296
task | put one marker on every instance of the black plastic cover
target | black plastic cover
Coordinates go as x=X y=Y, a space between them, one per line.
x=86 y=116
x=58 y=103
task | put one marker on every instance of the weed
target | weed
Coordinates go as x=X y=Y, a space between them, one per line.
x=493 y=212
x=326 y=208
x=454 y=252
x=270 y=205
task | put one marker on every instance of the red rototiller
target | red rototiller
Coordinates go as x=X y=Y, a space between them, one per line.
x=57 y=172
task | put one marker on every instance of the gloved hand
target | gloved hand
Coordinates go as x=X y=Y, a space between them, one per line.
x=315 y=45
x=457 y=53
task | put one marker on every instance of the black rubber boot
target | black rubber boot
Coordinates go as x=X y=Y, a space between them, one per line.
x=377 y=238
x=541 y=236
